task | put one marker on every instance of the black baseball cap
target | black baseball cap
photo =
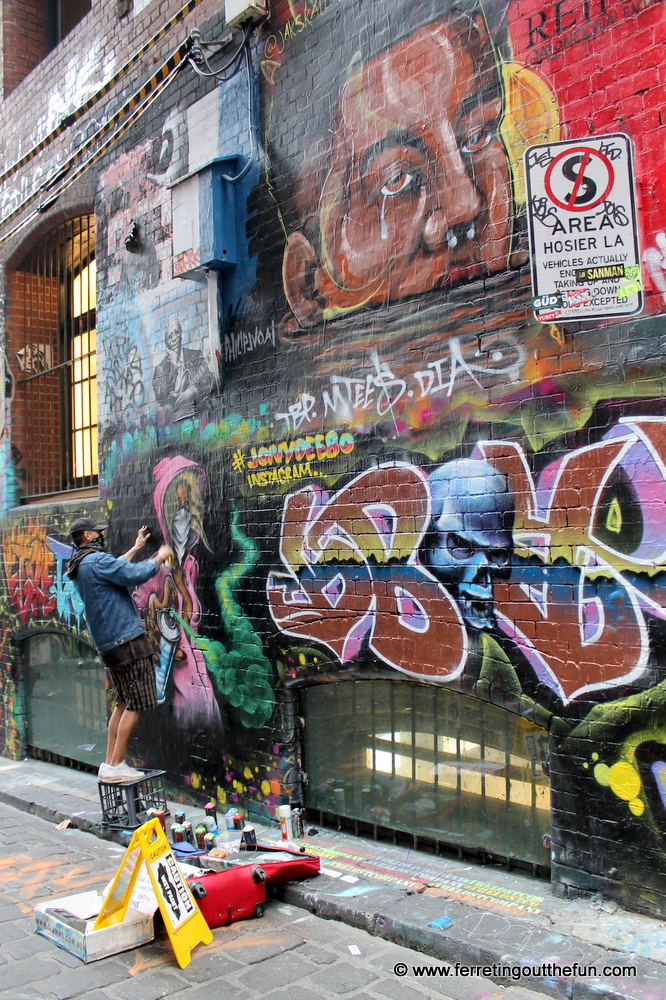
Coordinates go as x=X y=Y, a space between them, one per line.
x=85 y=524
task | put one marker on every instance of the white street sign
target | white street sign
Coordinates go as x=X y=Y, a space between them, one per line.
x=581 y=210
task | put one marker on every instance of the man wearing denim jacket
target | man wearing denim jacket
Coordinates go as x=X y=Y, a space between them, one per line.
x=117 y=631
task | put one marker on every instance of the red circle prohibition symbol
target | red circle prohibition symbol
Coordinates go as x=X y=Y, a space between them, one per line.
x=579 y=179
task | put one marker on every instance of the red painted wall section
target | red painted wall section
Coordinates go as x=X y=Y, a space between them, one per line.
x=604 y=59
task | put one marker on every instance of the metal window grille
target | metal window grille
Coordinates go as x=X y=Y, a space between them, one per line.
x=55 y=410
x=429 y=762
x=66 y=697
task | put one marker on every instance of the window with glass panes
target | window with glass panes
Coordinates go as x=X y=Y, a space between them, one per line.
x=52 y=343
x=430 y=762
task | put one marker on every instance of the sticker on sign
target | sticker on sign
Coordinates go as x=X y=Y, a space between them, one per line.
x=581 y=210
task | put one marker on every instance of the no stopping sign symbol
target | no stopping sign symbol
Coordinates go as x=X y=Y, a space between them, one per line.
x=583 y=230
x=578 y=179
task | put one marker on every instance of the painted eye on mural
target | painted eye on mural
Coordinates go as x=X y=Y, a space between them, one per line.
x=400 y=182
x=459 y=548
x=477 y=140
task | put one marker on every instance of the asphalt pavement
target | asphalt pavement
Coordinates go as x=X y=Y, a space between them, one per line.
x=399 y=923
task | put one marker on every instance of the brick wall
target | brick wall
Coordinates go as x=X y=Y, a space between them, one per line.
x=376 y=464
x=24 y=40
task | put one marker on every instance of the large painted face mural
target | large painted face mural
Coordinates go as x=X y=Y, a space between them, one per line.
x=418 y=196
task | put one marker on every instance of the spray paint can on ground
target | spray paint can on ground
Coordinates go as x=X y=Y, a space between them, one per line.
x=157 y=814
x=239 y=821
x=179 y=816
x=249 y=836
x=200 y=837
x=177 y=833
x=189 y=832
x=286 y=825
x=297 y=823
x=211 y=812
x=209 y=842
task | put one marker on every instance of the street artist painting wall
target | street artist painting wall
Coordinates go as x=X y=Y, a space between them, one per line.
x=388 y=488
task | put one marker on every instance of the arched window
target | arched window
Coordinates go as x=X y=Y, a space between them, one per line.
x=65 y=698
x=52 y=352
x=431 y=762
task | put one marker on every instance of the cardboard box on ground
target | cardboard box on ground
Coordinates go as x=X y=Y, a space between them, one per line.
x=94 y=925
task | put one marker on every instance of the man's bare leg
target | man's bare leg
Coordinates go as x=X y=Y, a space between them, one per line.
x=112 y=730
x=123 y=730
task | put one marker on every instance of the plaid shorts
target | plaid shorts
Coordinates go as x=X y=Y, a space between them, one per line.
x=134 y=684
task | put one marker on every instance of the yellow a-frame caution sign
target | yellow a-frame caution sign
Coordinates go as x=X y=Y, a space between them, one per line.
x=185 y=925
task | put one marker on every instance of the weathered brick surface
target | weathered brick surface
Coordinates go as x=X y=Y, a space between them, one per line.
x=376 y=466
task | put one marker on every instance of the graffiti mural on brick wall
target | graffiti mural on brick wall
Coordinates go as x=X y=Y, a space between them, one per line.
x=535 y=583
x=203 y=672
x=37 y=597
x=149 y=361
x=170 y=599
x=408 y=565
x=398 y=473
x=29 y=567
x=34 y=564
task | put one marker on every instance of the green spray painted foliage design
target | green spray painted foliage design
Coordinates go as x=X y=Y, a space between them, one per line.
x=242 y=675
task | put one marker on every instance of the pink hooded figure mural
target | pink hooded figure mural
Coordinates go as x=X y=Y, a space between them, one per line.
x=179 y=489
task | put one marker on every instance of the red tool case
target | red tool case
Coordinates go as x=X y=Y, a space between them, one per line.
x=234 y=894
x=298 y=865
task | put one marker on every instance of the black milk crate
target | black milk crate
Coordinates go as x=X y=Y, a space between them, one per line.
x=124 y=806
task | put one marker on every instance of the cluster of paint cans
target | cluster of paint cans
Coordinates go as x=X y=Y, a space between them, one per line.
x=203 y=835
x=234 y=819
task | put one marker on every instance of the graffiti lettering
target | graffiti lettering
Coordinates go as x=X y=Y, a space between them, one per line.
x=499 y=356
x=123 y=376
x=29 y=566
x=246 y=341
x=353 y=578
x=299 y=412
x=320 y=446
x=360 y=392
x=275 y=43
x=582 y=624
x=279 y=476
